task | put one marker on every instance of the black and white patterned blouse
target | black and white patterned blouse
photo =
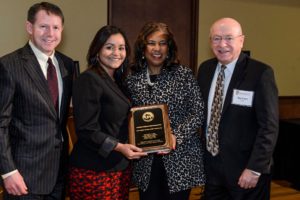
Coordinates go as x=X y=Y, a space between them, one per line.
x=179 y=90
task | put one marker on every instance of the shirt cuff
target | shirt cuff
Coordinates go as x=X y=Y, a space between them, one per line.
x=255 y=173
x=108 y=145
x=4 y=176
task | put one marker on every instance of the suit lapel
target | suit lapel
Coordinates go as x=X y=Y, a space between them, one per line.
x=116 y=89
x=209 y=72
x=34 y=71
x=64 y=74
x=237 y=77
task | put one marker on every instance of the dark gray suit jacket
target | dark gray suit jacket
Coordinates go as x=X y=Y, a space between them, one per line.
x=247 y=135
x=30 y=129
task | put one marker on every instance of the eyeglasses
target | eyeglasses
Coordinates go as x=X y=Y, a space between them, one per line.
x=228 y=38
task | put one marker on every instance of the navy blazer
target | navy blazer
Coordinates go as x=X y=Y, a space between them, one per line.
x=100 y=116
x=247 y=134
x=30 y=129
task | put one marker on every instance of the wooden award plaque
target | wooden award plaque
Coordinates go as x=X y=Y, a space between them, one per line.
x=149 y=128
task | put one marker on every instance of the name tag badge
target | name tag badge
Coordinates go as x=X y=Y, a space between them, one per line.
x=242 y=97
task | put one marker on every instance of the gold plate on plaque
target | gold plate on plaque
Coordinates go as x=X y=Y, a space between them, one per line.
x=149 y=128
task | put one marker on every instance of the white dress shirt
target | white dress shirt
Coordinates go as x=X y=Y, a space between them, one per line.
x=43 y=61
x=228 y=73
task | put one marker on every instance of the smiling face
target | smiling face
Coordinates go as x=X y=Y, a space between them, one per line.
x=113 y=53
x=45 y=32
x=156 y=50
x=227 y=40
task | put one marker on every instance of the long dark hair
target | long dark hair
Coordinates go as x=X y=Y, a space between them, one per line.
x=141 y=42
x=96 y=45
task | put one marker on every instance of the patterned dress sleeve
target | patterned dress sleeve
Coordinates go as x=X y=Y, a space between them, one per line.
x=192 y=110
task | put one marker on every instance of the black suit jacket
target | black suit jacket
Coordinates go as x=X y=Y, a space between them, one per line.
x=247 y=135
x=100 y=115
x=30 y=129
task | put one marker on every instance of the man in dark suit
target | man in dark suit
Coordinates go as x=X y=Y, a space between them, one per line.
x=240 y=139
x=33 y=110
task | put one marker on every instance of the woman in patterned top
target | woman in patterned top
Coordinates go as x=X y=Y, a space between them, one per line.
x=156 y=77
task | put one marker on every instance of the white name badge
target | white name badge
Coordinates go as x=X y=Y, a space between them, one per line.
x=242 y=97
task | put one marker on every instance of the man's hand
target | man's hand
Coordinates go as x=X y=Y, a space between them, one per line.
x=15 y=185
x=248 y=179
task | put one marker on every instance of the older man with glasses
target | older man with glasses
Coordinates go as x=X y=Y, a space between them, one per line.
x=241 y=118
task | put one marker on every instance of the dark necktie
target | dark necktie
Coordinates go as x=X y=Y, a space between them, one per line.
x=52 y=83
x=212 y=142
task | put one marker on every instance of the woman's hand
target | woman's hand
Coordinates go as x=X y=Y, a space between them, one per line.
x=173 y=139
x=130 y=151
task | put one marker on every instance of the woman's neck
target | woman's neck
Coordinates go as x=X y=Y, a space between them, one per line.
x=154 y=70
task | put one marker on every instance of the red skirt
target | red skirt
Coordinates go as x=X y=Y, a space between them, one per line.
x=90 y=185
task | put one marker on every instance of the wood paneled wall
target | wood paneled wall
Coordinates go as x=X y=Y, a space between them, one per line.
x=289 y=107
x=181 y=17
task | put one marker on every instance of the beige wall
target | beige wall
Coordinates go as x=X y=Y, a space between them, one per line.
x=272 y=34
x=271 y=28
x=82 y=21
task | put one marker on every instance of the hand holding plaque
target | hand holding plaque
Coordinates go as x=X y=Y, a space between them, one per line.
x=149 y=128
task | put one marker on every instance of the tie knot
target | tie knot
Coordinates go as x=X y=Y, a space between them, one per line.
x=223 y=67
x=51 y=66
x=50 y=61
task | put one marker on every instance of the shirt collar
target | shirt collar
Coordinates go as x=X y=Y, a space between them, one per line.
x=39 y=54
x=229 y=67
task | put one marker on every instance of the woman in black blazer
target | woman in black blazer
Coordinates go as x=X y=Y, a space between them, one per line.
x=100 y=158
